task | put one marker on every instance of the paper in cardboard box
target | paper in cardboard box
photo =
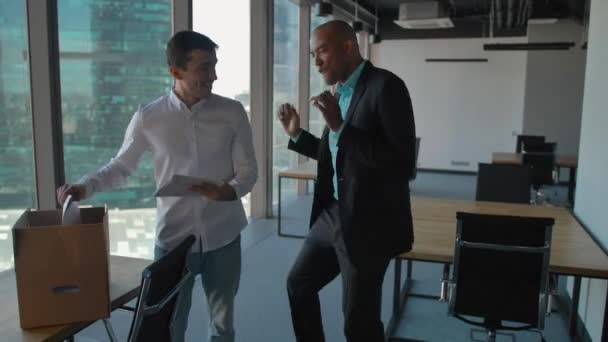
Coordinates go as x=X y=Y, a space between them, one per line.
x=62 y=271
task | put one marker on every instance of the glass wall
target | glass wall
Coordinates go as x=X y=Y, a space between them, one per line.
x=233 y=38
x=17 y=184
x=112 y=59
x=317 y=84
x=285 y=89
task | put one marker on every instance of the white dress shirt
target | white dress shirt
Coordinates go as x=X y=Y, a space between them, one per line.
x=211 y=140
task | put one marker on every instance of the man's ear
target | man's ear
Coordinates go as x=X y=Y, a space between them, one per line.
x=349 y=45
x=175 y=72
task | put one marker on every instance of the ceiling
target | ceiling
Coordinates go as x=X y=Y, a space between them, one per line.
x=559 y=8
x=471 y=18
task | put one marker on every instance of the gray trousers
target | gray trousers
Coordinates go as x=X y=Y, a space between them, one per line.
x=220 y=272
x=322 y=257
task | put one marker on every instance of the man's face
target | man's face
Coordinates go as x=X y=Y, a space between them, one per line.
x=198 y=76
x=328 y=55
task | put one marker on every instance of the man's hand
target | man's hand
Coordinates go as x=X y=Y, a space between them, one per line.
x=328 y=105
x=290 y=119
x=215 y=192
x=77 y=191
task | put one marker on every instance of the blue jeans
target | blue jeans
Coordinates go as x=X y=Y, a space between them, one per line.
x=220 y=272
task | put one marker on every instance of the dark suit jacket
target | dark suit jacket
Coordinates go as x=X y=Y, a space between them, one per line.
x=376 y=153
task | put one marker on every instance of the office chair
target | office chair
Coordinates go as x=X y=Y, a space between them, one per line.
x=539 y=147
x=415 y=171
x=522 y=139
x=509 y=183
x=160 y=287
x=503 y=183
x=500 y=272
x=544 y=172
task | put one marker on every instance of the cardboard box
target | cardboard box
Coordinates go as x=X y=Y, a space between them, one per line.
x=62 y=271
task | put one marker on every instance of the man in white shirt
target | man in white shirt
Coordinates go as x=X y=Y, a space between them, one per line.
x=192 y=132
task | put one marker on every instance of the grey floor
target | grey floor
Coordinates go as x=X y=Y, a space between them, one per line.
x=262 y=312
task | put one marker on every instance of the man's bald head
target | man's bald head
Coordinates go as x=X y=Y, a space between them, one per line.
x=335 y=50
x=339 y=30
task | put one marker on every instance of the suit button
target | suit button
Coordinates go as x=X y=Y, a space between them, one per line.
x=340 y=179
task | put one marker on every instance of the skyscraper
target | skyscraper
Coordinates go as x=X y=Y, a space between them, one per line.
x=112 y=61
x=16 y=167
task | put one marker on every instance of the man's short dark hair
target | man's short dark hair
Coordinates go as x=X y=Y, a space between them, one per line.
x=183 y=43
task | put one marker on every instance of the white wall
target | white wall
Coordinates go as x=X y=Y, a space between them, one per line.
x=592 y=178
x=554 y=86
x=463 y=111
x=466 y=111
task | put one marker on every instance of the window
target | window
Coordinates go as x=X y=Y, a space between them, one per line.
x=233 y=38
x=17 y=184
x=285 y=89
x=112 y=60
x=317 y=84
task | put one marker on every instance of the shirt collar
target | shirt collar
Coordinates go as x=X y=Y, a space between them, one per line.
x=351 y=82
x=177 y=102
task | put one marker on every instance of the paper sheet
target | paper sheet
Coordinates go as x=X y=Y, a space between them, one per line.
x=71 y=212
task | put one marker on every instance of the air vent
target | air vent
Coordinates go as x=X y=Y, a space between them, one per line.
x=426 y=15
x=425 y=24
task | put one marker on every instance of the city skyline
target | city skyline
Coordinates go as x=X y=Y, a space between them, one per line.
x=112 y=60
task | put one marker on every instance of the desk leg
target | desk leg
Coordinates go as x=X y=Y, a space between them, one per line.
x=401 y=292
x=279 y=208
x=110 y=330
x=410 y=266
x=576 y=295
x=397 y=287
x=444 y=295
x=397 y=295
x=279 y=226
x=605 y=328
x=571 y=185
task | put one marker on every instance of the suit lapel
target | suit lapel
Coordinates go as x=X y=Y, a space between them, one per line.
x=358 y=93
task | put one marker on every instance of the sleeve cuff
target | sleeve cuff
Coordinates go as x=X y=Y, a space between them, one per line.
x=296 y=138
x=89 y=189
x=337 y=133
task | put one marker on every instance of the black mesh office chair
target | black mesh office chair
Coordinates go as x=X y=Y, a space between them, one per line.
x=500 y=272
x=503 y=183
x=544 y=172
x=161 y=284
x=415 y=171
x=522 y=139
